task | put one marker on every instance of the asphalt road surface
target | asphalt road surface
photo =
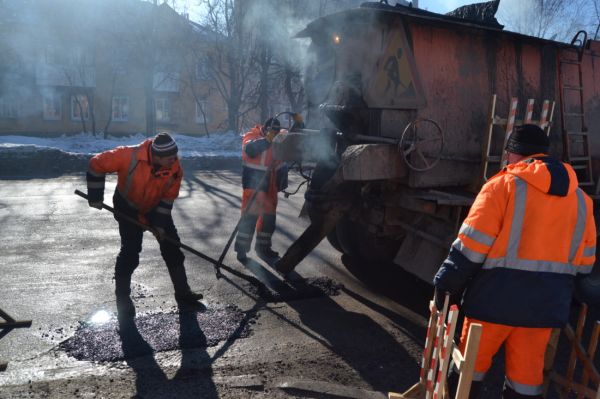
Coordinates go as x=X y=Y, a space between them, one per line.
x=257 y=336
x=323 y=334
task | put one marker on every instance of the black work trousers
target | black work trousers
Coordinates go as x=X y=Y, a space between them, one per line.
x=131 y=245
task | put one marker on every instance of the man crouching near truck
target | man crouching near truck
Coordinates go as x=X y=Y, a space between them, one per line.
x=149 y=177
x=528 y=234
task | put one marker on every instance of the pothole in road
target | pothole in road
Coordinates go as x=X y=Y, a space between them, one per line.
x=293 y=290
x=157 y=332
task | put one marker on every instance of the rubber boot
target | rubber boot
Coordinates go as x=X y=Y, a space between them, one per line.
x=509 y=393
x=266 y=253
x=244 y=236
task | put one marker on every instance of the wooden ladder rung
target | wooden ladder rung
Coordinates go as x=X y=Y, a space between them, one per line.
x=569 y=87
x=573 y=114
x=572 y=62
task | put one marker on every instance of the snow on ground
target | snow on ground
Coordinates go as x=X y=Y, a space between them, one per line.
x=217 y=145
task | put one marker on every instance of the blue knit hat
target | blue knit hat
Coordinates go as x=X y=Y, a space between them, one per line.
x=163 y=145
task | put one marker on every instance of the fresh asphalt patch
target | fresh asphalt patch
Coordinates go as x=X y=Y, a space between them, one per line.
x=115 y=340
x=296 y=290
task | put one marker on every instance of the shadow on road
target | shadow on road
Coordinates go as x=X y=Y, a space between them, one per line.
x=194 y=377
x=357 y=340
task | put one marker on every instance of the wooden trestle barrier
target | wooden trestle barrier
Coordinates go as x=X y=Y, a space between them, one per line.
x=7 y=326
x=566 y=385
x=439 y=349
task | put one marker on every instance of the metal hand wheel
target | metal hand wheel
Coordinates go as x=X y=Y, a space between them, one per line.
x=424 y=139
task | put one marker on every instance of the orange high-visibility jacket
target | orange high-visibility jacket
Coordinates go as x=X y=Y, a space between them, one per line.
x=141 y=186
x=528 y=233
x=255 y=165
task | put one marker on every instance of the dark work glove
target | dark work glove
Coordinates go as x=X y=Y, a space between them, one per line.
x=439 y=298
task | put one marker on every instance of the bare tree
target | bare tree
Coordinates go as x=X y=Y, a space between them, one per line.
x=231 y=60
x=551 y=19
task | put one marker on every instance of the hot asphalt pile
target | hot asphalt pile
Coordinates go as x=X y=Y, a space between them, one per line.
x=156 y=332
x=294 y=290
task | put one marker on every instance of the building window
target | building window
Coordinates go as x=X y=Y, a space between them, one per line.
x=163 y=109
x=202 y=71
x=9 y=108
x=80 y=106
x=120 y=109
x=52 y=107
x=202 y=115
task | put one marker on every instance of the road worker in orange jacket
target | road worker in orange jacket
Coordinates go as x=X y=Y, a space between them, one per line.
x=149 y=177
x=528 y=234
x=265 y=176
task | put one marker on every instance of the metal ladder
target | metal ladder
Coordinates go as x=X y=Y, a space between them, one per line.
x=575 y=135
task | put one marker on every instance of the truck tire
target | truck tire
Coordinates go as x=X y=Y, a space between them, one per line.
x=357 y=243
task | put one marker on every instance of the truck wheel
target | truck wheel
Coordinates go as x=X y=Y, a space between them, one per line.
x=356 y=242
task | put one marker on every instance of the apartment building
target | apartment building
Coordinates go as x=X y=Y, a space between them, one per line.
x=120 y=66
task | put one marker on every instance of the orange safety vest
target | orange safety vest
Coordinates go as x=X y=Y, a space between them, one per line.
x=138 y=184
x=253 y=168
x=530 y=230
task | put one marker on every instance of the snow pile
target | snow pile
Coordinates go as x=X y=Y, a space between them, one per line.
x=217 y=145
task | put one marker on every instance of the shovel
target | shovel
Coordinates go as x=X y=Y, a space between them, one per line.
x=170 y=240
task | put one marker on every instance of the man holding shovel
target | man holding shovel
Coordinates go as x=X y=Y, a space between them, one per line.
x=149 y=177
x=262 y=178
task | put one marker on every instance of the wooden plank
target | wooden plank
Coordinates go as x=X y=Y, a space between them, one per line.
x=529 y=111
x=429 y=339
x=577 y=341
x=587 y=364
x=549 y=358
x=564 y=383
x=591 y=352
x=468 y=367
x=509 y=126
x=550 y=118
x=449 y=328
x=488 y=143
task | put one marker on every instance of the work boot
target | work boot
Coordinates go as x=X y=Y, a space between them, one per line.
x=125 y=307
x=266 y=254
x=188 y=297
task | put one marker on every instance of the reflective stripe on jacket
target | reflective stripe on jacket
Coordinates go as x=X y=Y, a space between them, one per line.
x=528 y=233
x=143 y=188
x=257 y=156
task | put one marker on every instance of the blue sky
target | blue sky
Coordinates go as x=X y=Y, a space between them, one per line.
x=443 y=6
x=440 y=6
